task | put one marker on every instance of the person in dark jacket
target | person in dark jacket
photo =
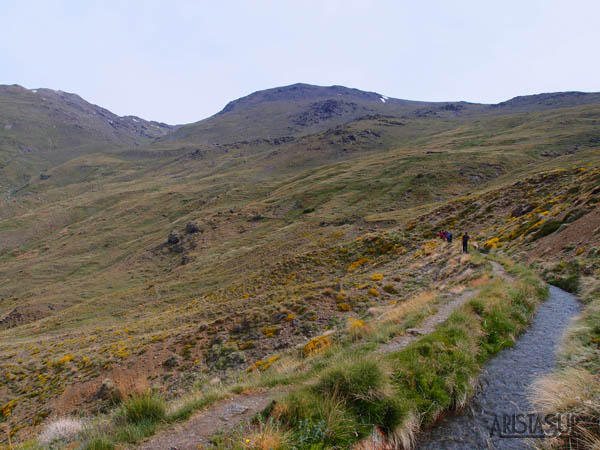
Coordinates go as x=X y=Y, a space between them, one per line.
x=449 y=237
x=465 y=242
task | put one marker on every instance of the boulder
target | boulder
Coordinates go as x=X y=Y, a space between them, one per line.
x=414 y=332
x=170 y=363
x=173 y=238
x=108 y=391
x=192 y=227
x=521 y=210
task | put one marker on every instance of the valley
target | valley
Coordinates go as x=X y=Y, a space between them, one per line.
x=207 y=257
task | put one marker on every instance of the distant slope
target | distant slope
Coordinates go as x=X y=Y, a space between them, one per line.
x=543 y=102
x=302 y=109
x=40 y=128
x=43 y=128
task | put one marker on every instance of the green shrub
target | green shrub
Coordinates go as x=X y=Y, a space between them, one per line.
x=361 y=384
x=499 y=329
x=133 y=433
x=547 y=228
x=144 y=407
x=569 y=283
x=352 y=381
x=317 y=420
x=437 y=372
x=390 y=289
x=574 y=214
x=98 y=443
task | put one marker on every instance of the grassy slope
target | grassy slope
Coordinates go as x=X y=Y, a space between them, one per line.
x=111 y=293
x=42 y=128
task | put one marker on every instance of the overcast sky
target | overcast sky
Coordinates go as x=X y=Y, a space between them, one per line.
x=180 y=61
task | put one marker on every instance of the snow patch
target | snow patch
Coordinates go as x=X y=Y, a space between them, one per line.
x=134 y=119
x=382 y=99
x=34 y=91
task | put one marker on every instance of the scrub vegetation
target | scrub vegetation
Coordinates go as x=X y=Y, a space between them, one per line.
x=280 y=246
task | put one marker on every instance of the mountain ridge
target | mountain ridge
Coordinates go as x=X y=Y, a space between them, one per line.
x=42 y=128
x=302 y=108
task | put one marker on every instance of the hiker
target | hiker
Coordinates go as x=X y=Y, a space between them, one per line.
x=442 y=235
x=449 y=237
x=465 y=242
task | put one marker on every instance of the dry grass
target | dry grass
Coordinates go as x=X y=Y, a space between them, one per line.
x=62 y=428
x=267 y=436
x=575 y=391
x=480 y=281
x=421 y=302
x=568 y=388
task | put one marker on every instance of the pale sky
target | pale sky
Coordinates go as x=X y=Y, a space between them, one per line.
x=179 y=61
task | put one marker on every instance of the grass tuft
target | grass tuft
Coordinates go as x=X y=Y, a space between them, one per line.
x=143 y=408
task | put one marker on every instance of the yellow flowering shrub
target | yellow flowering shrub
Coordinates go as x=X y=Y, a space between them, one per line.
x=316 y=345
x=63 y=360
x=377 y=277
x=492 y=243
x=270 y=331
x=355 y=324
x=8 y=407
x=263 y=365
x=358 y=263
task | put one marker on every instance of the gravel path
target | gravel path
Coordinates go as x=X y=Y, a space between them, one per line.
x=223 y=416
x=506 y=381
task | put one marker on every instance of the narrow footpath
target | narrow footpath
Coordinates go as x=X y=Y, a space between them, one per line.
x=230 y=413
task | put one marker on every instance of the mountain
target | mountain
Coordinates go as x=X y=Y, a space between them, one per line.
x=301 y=109
x=40 y=128
x=543 y=102
x=165 y=258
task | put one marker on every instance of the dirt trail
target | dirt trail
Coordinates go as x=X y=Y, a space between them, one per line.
x=444 y=311
x=225 y=415
x=506 y=381
x=228 y=414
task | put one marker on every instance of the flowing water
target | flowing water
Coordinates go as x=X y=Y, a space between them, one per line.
x=505 y=384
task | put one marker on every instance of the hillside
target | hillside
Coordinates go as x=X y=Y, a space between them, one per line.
x=40 y=128
x=233 y=240
x=301 y=109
